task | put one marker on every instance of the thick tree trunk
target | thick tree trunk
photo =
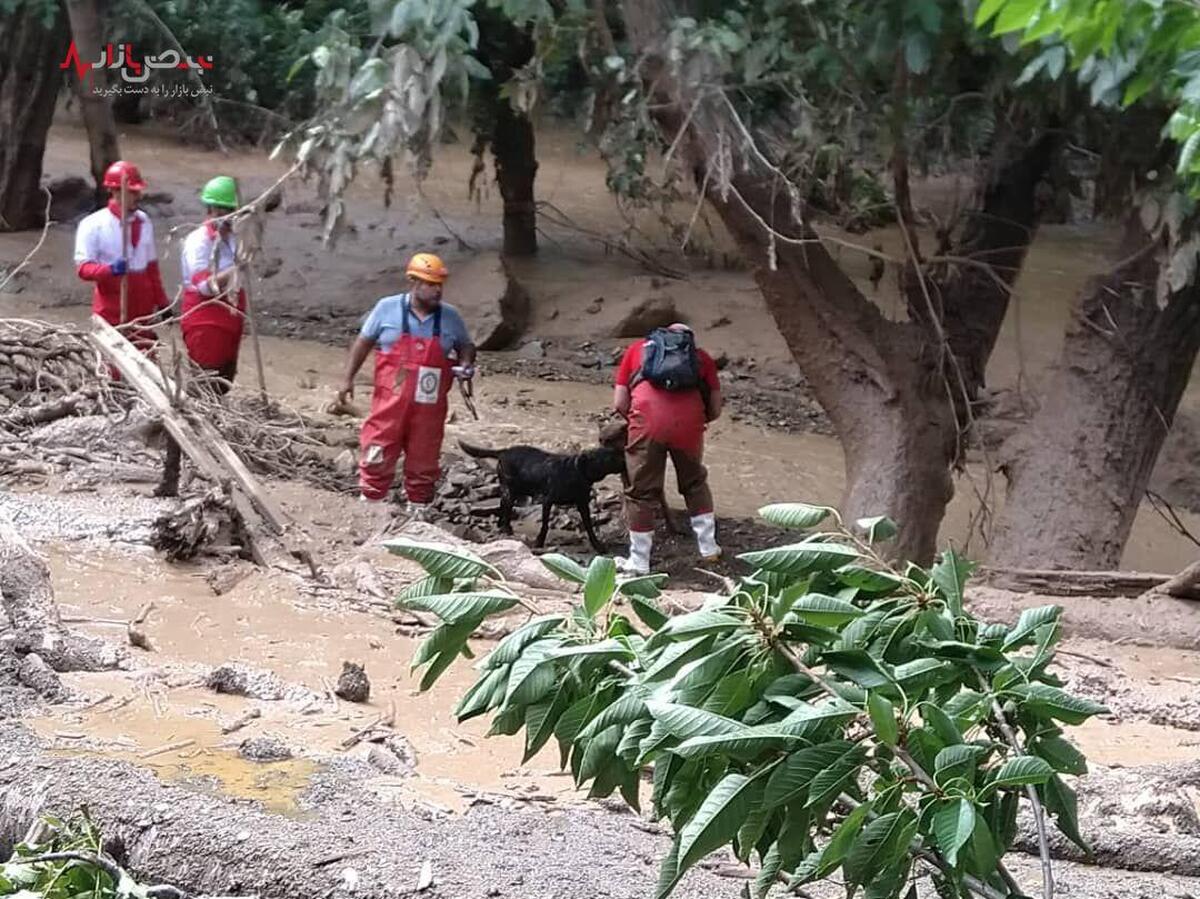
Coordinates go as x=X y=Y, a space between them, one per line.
x=505 y=49
x=516 y=168
x=1078 y=472
x=29 y=83
x=87 y=31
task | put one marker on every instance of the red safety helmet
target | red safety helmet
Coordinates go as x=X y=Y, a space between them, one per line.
x=133 y=178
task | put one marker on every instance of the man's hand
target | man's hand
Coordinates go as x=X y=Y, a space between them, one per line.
x=118 y=267
x=346 y=393
x=463 y=372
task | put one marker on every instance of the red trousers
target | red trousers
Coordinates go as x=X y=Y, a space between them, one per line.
x=408 y=418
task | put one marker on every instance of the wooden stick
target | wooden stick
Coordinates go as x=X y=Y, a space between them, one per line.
x=170 y=747
x=252 y=320
x=124 y=252
x=1073 y=583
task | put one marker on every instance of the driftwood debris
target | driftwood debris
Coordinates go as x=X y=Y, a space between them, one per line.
x=266 y=526
x=1074 y=583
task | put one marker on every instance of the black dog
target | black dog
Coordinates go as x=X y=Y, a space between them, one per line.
x=556 y=479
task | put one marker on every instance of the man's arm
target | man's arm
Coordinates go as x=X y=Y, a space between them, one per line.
x=621 y=400
x=359 y=350
x=713 y=401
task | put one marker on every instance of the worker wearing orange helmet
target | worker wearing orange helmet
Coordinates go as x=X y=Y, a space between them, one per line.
x=421 y=344
x=103 y=256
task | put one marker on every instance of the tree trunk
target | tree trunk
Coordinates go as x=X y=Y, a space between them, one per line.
x=88 y=34
x=29 y=83
x=882 y=383
x=1078 y=472
x=516 y=168
x=505 y=49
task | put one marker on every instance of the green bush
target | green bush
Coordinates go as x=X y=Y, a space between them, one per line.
x=829 y=711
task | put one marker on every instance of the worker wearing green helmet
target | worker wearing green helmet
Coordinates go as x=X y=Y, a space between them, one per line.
x=214 y=306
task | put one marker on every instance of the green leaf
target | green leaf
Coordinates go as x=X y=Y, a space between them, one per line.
x=956 y=761
x=717 y=820
x=1016 y=15
x=1023 y=770
x=800 y=558
x=1061 y=802
x=1055 y=703
x=941 y=724
x=540 y=720
x=486 y=693
x=831 y=781
x=1064 y=757
x=918 y=51
x=532 y=676
x=668 y=872
x=454 y=607
x=625 y=710
x=510 y=648
x=987 y=10
x=883 y=717
x=868 y=580
x=443 y=660
x=882 y=843
x=600 y=584
x=686 y=722
x=578 y=714
x=825 y=611
x=648 y=612
x=791 y=779
x=843 y=838
x=695 y=624
x=426 y=586
x=746 y=743
x=1029 y=622
x=441 y=562
x=880 y=527
x=646 y=586
x=795 y=516
x=950 y=575
x=598 y=752
x=953 y=825
x=858 y=666
x=565 y=567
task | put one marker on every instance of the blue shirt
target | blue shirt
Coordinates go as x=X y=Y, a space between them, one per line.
x=385 y=324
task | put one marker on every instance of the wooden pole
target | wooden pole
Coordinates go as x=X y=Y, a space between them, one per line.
x=124 y=252
x=246 y=273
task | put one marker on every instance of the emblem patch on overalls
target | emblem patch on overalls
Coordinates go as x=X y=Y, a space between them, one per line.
x=429 y=380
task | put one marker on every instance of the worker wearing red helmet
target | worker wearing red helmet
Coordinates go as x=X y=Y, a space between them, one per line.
x=417 y=341
x=103 y=257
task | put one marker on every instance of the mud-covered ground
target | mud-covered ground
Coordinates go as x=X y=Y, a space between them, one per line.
x=167 y=764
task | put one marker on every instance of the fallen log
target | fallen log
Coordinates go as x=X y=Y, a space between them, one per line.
x=1185 y=585
x=1073 y=583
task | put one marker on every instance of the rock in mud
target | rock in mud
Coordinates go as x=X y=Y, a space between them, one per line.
x=267 y=748
x=353 y=684
x=254 y=683
x=656 y=312
x=395 y=756
x=35 y=674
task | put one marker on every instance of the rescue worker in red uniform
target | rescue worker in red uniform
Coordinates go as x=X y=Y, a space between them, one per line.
x=102 y=258
x=212 y=313
x=666 y=423
x=421 y=345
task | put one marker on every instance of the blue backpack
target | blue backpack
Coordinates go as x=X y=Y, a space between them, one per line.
x=670 y=360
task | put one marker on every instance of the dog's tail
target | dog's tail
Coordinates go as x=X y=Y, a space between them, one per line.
x=478 y=452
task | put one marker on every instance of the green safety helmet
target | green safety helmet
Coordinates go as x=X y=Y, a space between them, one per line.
x=220 y=191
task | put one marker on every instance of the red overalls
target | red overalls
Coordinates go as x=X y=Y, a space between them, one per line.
x=408 y=415
x=212 y=326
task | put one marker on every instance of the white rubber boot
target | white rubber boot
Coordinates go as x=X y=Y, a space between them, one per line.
x=640 y=544
x=705 y=529
x=363 y=498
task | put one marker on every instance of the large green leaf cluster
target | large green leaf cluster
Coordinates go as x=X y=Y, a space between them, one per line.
x=828 y=713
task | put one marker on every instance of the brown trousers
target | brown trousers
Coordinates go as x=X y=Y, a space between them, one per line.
x=646 y=463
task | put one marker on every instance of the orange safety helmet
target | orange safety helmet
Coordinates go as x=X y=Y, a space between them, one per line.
x=133 y=178
x=427 y=267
